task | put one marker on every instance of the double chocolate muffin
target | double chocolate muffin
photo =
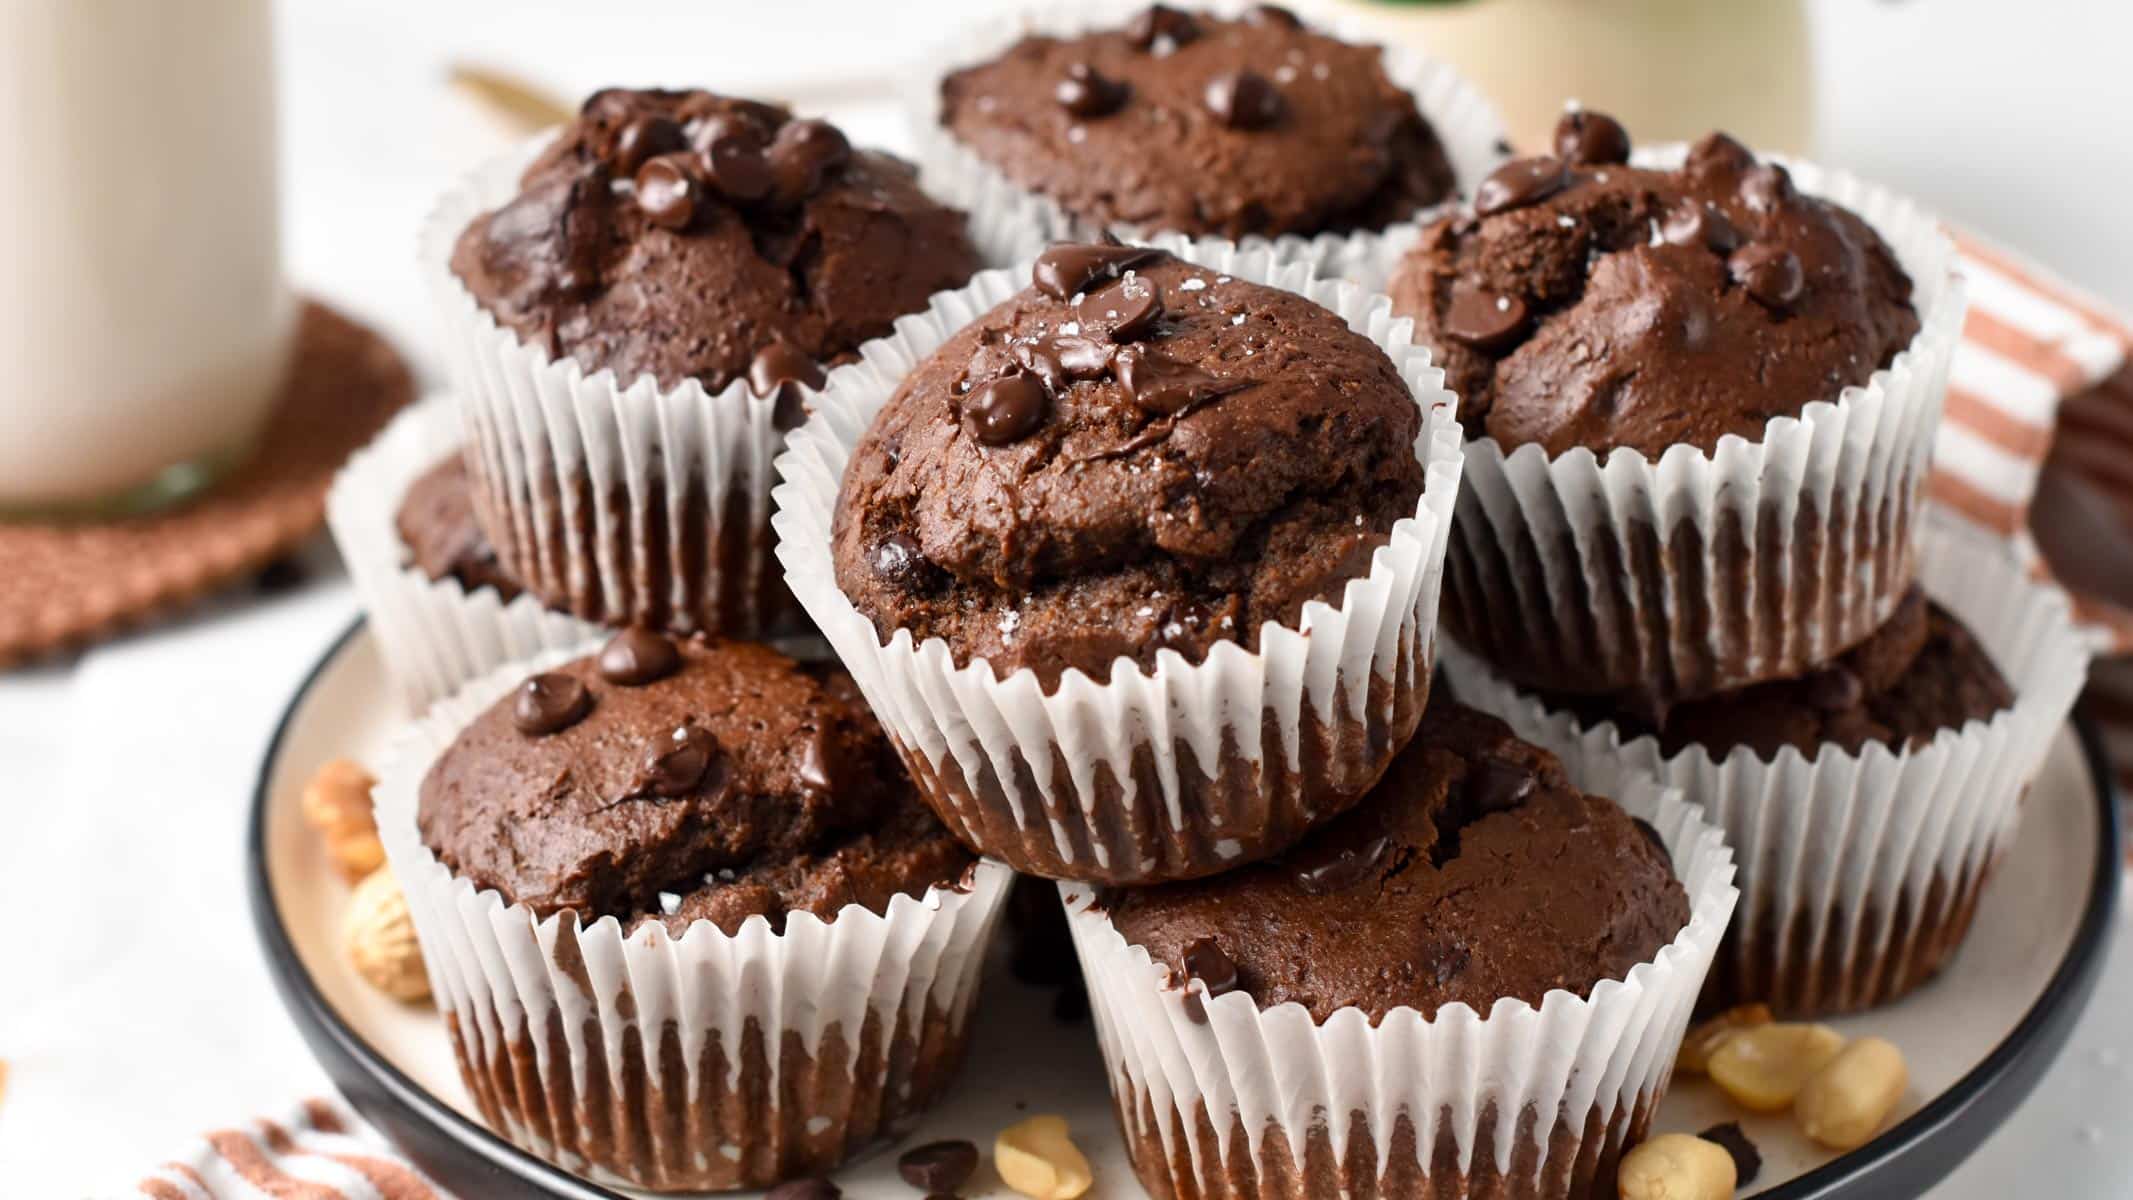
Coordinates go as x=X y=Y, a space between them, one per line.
x=437 y=525
x=1194 y=123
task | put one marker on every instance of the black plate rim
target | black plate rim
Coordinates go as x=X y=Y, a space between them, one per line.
x=462 y=1154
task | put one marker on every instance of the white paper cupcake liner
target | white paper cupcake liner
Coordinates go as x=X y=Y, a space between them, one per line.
x=1515 y=1101
x=1185 y=770
x=1700 y=572
x=1859 y=872
x=703 y=1062
x=1466 y=124
x=434 y=635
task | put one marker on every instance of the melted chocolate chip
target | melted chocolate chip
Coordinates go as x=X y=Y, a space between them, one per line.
x=732 y=151
x=550 y=703
x=666 y=191
x=1445 y=961
x=644 y=138
x=1244 y=100
x=1005 y=410
x=938 y=1167
x=1162 y=29
x=675 y=764
x=805 y=1189
x=1520 y=182
x=897 y=559
x=1493 y=785
x=1163 y=386
x=1694 y=223
x=813 y=769
x=1651 y=834
x=1206 y=962
x=780 y=369
x=1585 y=139
x=1483 y=320
x=1320 y=871
x=1769 y=273
x=1747 y=1160
x=1766 y=187
x=1086 y=93
x=635 y=657
x=1061 y=359
x=1272 y=15
x=1069 y=268
x=1123 y=311
x=1835 y=689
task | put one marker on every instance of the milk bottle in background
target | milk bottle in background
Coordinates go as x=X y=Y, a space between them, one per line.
x=144 y=320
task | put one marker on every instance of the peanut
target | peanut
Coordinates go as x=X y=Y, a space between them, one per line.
x=1843 y=1105
x=379 y=936
x=1763 y=1068
x=1675 y=1166
x=337 y=803
x=1037 y=1158
x=1706 y=1036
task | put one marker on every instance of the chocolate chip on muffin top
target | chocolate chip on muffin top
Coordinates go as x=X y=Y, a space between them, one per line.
x=444 y=541
x=688 y=235
x=1473 y=871
x=1581 y=301
x=671 y=781
x=1200 y=124
x=1132 y=454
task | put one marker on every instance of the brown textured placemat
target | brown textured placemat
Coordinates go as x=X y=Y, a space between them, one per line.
x=62 y=584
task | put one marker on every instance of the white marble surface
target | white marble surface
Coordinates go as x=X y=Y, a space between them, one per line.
x=133 y=1008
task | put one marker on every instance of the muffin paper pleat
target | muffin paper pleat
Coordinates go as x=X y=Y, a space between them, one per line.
x=1185 y=770
x=1466 y=124
x=434 y=635
x=1859 y=871
x=708 y=1061
x=1699 y=572
x=1516 y=1101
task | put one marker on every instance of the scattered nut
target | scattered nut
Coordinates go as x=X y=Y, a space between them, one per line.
x=1763 y=1068
x=1843 y=1105
x=1706 y=1036
x=1675 y=1166
x=380 y=939
x=337 y=803
x=1037 y=1158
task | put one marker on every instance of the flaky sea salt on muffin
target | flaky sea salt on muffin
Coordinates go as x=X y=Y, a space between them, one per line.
x=1478 y=931
x=637 y=317
x=1700 y=390
x=1138 y=560
x=690 y=925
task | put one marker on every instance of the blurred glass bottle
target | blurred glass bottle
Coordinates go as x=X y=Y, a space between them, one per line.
x=1671 y=70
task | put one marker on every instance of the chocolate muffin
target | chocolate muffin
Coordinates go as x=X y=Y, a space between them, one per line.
x=1581 y=301
x=677 y=781
x=1472 y=872
x=686 y=235
x=1134 y=454
x=444 y=540
x=1204 y=125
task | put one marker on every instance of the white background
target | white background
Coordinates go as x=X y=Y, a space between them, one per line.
x=133 y=1009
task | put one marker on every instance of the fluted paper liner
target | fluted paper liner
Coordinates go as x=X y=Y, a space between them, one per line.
x=1466 y=124
x=434 y=635
x=1700 y=572
x=1860 y=872
x=1185 y=770
x=696 y=1063
x=1515 y=1101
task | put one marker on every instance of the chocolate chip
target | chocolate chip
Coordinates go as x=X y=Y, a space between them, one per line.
x=1062 y=359
x=805 y=1189
x=1272 y=15
x=1483 y=320
x=1770 y=274
x=803 y=154
x=1835 y=689
x=635 y=657
x=896 y=558
x=1206 y=962
x=1720 y=151
x=1445 y=961
x=1651 y=834
x=1584 y=138
x=1766 y=187
x=1069 y=268
x=731 y=148
x=1005 y=410
x=284 y=574
x=1126 y=310
x=1493 y=785
x=677 y=763
x=1747 y=1160
x=1162 y=29
x=938 y=1166
x=781 y=369
x=550 y=703
x=644 y=138
x=1163 y=386
x=813 y=767
x=1694 y=223
x=1086 y=93
x=1520 y=182
x=1320 y=870
x=666 y=191
x=1244 y=100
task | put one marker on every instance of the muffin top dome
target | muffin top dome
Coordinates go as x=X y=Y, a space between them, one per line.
x=1474 y=871
x=436 y=523
x=686 y=235
x=1580 y=301
x=677 y=781
x=1190 y=122
x=1133 y=453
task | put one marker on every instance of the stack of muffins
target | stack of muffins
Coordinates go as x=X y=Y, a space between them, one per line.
x=1120 y=565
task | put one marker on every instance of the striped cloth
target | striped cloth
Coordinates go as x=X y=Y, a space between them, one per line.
x=319 y=1152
